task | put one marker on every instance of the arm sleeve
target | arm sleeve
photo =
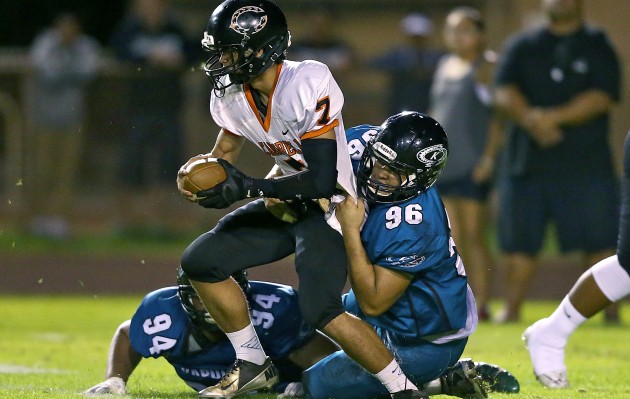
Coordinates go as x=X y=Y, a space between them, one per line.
x=317 y=181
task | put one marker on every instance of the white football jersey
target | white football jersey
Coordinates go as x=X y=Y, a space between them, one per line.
x=305 y=102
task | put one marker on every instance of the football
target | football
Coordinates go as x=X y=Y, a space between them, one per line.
x=203 y=174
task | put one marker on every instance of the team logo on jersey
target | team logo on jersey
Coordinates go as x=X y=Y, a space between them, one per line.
x=387 y=153
x=248 y=20
x=433 y=155
x=405 y=261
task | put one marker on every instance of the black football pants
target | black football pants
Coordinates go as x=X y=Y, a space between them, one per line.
x=251 y=236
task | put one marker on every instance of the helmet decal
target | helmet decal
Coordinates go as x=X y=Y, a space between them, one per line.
x=432 y=155
x=246 y=27
x=384 y=151
x=208 y=40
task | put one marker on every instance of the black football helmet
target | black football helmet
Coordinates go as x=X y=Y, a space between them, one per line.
x=412 y=144
x=201 y=318
x=240 y=29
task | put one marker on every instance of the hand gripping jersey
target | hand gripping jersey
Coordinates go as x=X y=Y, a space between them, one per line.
x=305 y=102
x=414 y=237
x=161 y=328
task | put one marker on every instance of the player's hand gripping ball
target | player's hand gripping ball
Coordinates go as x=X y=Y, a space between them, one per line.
x=202 y=174
x=237 y=186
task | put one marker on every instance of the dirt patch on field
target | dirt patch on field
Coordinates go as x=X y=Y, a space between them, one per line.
x=73 y=274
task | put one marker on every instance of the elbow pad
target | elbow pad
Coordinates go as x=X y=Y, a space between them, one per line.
x=318 y=181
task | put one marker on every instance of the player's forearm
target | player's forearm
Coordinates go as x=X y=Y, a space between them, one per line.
x=318 y=181
x=228 y=146
x=122 y=358
x=362 y=273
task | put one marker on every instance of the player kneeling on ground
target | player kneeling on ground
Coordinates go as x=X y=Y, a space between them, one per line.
x=172 y=323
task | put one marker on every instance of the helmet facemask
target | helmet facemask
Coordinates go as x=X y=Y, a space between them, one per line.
x=377 y=191
x=244 y=63
x=193 y=306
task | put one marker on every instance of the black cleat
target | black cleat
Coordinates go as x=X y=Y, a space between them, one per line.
x=410 y=394
x=497 y=379
x=462 y=380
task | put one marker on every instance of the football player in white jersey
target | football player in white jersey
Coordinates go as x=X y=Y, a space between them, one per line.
x=291 y=111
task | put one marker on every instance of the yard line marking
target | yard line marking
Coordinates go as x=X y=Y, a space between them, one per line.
x=20 y=369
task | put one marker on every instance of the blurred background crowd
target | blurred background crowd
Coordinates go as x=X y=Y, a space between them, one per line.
x=102 y=101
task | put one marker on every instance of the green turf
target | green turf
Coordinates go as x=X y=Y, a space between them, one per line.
x=157 y=242
x=61 y=345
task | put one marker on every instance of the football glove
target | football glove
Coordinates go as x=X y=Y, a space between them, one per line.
x=112 y=385
x=293 y=390
x=237 y=186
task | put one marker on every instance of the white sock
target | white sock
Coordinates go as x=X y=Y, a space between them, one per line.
x=394 y=379
x=247 y=346
x=563 y=322
x=611 y=278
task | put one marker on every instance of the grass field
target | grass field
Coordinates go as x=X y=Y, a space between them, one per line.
x=55 y=347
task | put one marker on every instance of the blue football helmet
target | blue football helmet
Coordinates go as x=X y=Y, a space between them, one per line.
x=199 y=316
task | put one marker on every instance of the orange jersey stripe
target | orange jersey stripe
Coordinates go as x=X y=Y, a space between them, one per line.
x=252 y=104
x=320 y=131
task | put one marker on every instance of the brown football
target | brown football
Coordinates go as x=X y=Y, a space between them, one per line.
x=203 y=174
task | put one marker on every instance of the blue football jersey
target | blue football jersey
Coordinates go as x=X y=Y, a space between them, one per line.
x=357 y=138
x=161 y=328
x=414 y=237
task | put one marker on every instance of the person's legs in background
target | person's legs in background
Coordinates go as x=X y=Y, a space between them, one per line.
x=56 y=162
x=466 y=204
x=522 y=222
x=591 y=230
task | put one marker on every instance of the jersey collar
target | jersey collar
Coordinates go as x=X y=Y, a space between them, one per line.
x=250 y=100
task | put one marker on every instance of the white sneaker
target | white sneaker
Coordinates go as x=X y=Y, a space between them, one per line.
x=547 y=357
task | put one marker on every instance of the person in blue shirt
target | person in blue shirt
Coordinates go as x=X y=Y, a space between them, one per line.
x=408 y=281
x=172 y=323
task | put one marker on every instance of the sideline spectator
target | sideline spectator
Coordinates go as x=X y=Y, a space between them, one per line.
x=152 y=42
x=461 y=101
x=322 y=44
x=410 y=66
x=64 y=61
x=557 y=85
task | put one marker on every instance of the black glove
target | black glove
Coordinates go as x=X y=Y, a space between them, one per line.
x=237 y=186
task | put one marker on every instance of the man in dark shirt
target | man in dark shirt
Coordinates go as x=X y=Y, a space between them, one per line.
x=557 y=84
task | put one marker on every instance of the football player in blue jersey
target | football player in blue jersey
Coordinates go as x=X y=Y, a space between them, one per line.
x=407 y=278
x=172 y=323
